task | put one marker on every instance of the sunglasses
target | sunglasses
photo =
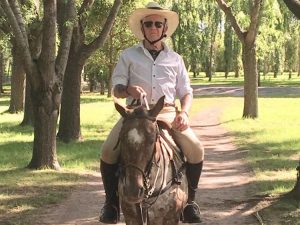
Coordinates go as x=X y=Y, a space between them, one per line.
x=149 y=24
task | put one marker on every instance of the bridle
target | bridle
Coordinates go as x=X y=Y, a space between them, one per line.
x=149 y=189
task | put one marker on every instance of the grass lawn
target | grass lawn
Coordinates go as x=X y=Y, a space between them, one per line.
x=272 y=141
x=266 y=81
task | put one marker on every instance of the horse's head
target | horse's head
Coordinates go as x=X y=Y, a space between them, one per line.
x=137 y=146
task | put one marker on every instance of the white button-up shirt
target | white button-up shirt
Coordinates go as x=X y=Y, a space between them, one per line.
x=167 y=75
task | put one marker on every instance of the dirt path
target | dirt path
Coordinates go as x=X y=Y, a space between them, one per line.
x=224 y=186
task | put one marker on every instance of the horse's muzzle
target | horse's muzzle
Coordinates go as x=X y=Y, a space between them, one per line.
x=133 y=192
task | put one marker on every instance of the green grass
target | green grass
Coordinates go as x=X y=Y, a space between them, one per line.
x=23 y=191
x=273 y=145
x=272 y=142
x=266 y=81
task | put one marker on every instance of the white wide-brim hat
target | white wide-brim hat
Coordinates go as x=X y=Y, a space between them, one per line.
x=152 y=8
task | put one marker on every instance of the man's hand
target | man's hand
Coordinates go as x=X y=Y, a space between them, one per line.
x=136 y=92
x=181 y=121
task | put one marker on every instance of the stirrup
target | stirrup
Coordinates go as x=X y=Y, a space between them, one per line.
x=191 y=213
x=110 y=213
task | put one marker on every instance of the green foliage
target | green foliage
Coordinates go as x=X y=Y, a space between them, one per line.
x=99 y=66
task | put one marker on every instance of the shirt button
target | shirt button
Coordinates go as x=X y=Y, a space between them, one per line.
x=153 y=87
x=153 y=75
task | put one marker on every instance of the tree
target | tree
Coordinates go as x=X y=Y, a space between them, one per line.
x=298 y=56
x=1 y=70
x=81 y=50
x=3 y=29
x=17 y=79
x=44 y=73
x=248 y=39
x=228 y=45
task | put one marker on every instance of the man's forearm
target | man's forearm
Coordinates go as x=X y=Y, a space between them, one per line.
x=186 y=102
x=120 y=91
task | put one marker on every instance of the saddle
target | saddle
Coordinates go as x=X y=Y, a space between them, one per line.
x=165 y=142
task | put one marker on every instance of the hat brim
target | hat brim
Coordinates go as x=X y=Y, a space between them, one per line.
x=135 y=18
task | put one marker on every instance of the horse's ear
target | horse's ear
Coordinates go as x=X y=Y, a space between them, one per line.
x=120 y=108
x=158 y=107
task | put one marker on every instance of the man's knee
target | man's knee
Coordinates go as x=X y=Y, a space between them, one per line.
x=109 y=154
x=110 y=149
x=194 y=153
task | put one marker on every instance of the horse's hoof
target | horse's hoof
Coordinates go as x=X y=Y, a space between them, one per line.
x=109 y=214
x=191 y=214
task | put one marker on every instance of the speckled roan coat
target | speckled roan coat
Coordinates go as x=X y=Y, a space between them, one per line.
x=139 y=156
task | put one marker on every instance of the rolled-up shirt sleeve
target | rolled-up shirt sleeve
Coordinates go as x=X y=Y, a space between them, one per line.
x=121 y=73
x=183 y=86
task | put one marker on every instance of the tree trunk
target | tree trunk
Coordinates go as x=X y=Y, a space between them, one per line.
x=250 y=83
x=45 y=108
x=45 y=73
x=259 y=73
x=295 y=192
x=17 y=81
x=109 y=86
x=210 y=65
x=28 y=118
x=69 y=124
x=35 y=45
x=237 y=68
x=298 y=56
x=1 y=71
x=228 y=52
x=102 y=86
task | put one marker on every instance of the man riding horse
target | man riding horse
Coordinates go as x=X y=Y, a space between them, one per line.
x=151 y=70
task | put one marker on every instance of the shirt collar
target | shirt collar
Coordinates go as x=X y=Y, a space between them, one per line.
x=141 y=45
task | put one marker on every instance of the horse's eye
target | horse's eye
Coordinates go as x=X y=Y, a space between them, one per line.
x=150 y=130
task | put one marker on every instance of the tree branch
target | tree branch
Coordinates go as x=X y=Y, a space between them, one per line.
x=20 y=38
x=85 y=6
x=294 y=7
x=254 y=21
x=100 y=40
x=228 y=12
x=18 y=15
x=66 y=36
x=4 y=26
x=47 y=57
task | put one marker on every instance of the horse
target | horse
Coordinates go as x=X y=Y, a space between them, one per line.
x=152 y=182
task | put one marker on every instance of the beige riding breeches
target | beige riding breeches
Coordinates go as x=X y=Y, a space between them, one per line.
x=191 y=146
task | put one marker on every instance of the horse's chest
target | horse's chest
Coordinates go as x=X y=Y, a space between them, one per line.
x=166 y=208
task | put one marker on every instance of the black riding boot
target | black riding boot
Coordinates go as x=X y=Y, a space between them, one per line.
x=191 y=213
x=110 y=212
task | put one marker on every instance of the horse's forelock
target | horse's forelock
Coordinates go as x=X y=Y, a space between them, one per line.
x=140 y=111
